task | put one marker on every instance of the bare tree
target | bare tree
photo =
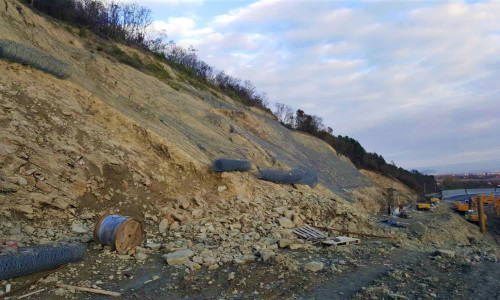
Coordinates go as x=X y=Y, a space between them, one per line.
x=284 y=113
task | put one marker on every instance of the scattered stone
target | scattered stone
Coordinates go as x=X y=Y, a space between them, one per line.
x=418 y=228
x=247 y=258
x=86 y=238
x=43 y=186
x=397 y=296
x=492 y=258
x=192 y=265
x=140 y=256
x=287 y=223
x=153 y=246
x=266 y=254
x=296 y=246
x=28 y=229
x=283 y=243
x=183 y=202
x=208 y=261
x=175 y=226
x=163 y=225
x=60 y=203
x=235 y=226
x=79 y=229
x=314 y=266
x=87 y=216
x=444 y=253
x=221 y=188
x=22 y=181
x=7 y=187
x=60 y=292
x=24 y=208
x=178 y=257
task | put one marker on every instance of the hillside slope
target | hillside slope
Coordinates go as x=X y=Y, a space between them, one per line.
x=195 y=122
x=112 y=138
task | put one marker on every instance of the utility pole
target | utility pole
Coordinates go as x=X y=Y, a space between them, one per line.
x=480 y=209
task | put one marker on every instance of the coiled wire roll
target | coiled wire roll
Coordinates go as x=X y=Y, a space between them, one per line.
x=119 y=232
x=107 y=230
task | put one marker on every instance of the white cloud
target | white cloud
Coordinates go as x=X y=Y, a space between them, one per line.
x=171 y=2
x=396 y=82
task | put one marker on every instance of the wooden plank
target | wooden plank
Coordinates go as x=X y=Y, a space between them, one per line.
x=83 y=289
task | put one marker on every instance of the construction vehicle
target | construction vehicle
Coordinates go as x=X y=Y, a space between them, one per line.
x=497 y=206
x=462 y=206
x=473 y=216
x=435 y=200
x=423 y=206
x=486 y=199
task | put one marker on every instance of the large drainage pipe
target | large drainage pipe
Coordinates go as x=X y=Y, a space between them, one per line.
x=294 y=176
x=231 y=165
x=34 y=259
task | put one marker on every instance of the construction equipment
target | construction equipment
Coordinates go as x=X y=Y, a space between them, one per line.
x=462 y=206
x=435 y=200
x=473 y=216
x=486 y=199
x=497 y=206
x=423 y=206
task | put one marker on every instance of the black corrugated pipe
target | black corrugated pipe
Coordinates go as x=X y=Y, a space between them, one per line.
x=230 y=165
x=38 y=258
x=294 y=176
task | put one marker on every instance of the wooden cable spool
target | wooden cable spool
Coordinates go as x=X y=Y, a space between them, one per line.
x=128 y=232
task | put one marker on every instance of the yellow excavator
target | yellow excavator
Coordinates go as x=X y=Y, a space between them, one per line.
x=471 y=214
x=423 y=206
x=435 y=200
x=497 y=206
x=486 y=199
x=462 y=206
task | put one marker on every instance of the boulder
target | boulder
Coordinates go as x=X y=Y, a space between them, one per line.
x=418 y=228
x=287 y=223
x=163 y=226
x=79 y=229
x=178 y=257
x=444 y=253
x=283 y=243
x=314 y=266
x=266 y=254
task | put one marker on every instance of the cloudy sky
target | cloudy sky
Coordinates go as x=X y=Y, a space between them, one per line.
x=417 y=82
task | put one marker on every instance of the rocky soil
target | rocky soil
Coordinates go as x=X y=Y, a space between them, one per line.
x=72 y=150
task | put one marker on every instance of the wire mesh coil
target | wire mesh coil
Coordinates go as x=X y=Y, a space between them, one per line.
x=23 y=54
x=294 y=176
x=230 y=165
x=38 y=258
